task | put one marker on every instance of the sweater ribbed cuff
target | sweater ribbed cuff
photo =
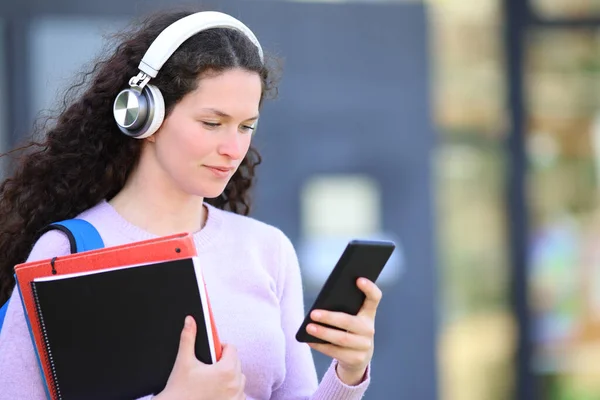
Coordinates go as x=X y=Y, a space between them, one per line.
x=332 y=388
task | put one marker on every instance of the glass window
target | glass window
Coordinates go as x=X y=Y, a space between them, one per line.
x=563 y=82
x=468 y=67
x=60 y=49
x=334 y=209
x=4 y=134
x=567 y=8
x=476 y=326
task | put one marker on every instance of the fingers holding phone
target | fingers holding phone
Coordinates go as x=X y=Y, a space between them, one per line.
x=351 y=329
x=349 y=338
x=341 y=321
x=343 y=291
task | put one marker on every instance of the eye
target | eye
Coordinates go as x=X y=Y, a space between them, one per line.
x=211 y=125
x=247 y=128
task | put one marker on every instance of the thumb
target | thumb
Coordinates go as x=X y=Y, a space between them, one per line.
x=229 y=354
x=187 y=343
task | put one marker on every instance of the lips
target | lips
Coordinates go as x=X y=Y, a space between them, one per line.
x=219 y=171
x=222 y=169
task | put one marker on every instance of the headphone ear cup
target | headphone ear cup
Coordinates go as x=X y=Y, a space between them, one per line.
x=156 y=113
x=139 y=115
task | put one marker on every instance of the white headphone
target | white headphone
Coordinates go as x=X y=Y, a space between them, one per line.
x=140 y=109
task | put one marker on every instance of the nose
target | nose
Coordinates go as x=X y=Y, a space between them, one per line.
x=232 y=145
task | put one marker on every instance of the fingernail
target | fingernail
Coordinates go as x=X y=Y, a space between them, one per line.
x=317 y=315
x=187 y=322
x=312 y=328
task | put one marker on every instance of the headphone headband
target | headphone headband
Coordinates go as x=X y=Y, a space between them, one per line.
x=178 y=32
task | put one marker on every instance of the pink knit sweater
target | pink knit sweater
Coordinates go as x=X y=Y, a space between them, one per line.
x=255 y=287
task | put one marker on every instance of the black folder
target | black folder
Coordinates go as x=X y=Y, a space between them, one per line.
x=114 y=334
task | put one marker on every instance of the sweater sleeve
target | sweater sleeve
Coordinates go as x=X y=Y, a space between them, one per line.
x=301 y=382
x=20 y=376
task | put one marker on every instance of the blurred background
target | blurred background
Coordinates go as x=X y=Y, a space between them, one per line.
x=466 y=131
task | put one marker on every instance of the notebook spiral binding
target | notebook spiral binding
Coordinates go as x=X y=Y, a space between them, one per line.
x=54 y=388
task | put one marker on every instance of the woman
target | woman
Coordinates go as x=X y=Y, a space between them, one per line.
x=193 y=174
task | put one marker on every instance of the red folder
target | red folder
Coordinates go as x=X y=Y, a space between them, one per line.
x=154 y=250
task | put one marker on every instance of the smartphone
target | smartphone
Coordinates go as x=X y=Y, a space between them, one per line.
x=360 y=259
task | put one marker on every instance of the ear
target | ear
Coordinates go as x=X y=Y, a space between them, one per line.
x=151 y=139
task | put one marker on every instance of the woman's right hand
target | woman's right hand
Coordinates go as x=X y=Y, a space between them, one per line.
x=191 y=379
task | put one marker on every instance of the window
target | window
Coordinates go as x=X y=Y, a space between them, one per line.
x=4 y=79
x=336 y=208
x=567 y=8
x=60 y=49
x=476 y=325
x=563 y=71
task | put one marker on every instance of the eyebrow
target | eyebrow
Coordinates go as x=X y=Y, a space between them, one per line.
x=225 y=115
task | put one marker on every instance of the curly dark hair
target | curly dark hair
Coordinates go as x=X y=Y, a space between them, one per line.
x=83 y=158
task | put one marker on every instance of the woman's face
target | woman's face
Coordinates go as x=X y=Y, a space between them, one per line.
x=206 y=136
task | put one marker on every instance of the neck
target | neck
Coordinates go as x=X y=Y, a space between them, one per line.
x=150 y=202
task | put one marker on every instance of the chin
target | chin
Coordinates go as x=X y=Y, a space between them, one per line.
x=211 y=192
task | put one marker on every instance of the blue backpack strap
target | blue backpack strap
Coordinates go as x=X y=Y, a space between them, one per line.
x=82 y=237
x=3 y=310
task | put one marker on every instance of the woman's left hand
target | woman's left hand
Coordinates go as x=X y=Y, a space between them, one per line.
x=352 y=345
